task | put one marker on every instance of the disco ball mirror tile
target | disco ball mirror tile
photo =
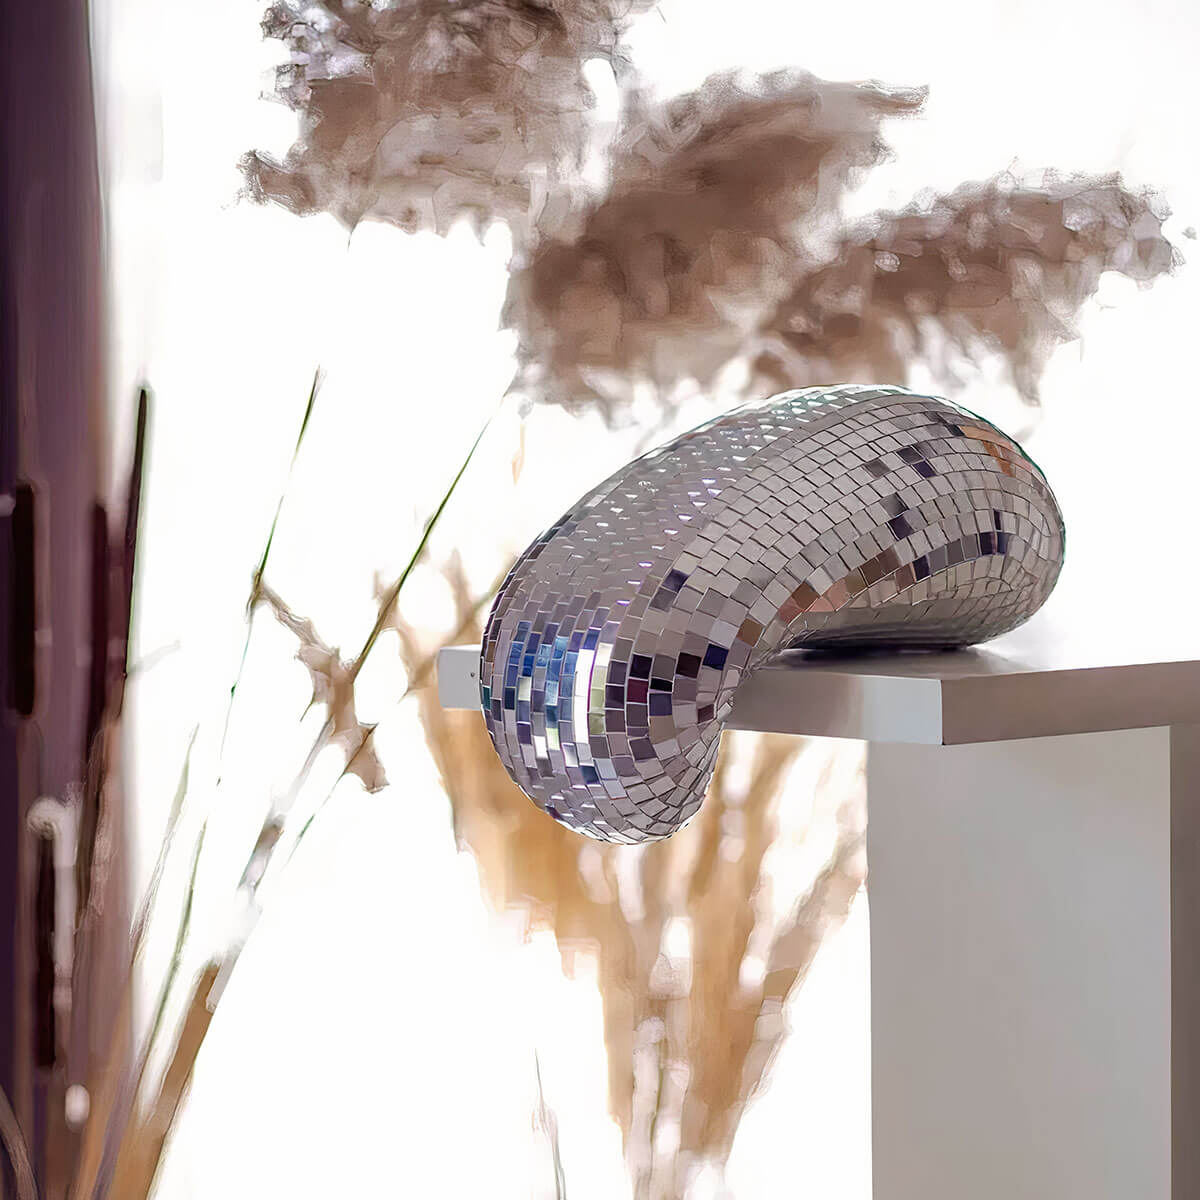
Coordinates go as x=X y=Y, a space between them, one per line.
x=848 y=517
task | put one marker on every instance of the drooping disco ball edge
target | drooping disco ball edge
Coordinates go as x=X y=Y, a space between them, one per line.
x=835 y=517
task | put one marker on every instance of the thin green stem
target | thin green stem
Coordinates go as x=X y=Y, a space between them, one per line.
x=420 y=677
x=393 y=593
x=260 y=569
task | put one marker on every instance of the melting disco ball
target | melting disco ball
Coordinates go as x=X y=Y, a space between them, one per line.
x=834 y=517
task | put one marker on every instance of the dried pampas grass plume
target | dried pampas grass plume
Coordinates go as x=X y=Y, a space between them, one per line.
x=712 y=201
x=719 y=239
x=673 y=281
x=421 y=112
x=994 y=267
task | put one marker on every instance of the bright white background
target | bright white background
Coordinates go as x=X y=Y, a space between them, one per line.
x=378 y=1036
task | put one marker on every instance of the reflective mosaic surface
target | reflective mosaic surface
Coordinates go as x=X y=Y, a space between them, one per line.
x=847 y=516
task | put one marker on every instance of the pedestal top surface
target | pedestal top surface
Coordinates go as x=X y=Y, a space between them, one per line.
x=1043 y=679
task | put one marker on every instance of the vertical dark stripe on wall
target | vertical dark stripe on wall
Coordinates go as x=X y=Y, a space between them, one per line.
x=99 y=639
x=22 y=678
x=9 y=720
x=44 y=1034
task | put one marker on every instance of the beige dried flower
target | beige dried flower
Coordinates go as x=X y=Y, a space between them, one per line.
x=993 y=267
x=421 y=112
x=333 y=689
x=719 y=241
x=711 y=202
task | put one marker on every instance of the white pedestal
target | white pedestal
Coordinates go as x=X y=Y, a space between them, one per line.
x=1021 y=966
x=1034 y=857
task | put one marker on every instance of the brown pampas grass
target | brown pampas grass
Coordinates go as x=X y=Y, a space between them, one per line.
x=716 y=249
x=142 y=1146
x=712 y=200
x=711 y=262
x=419 y=113
x=995 y=267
